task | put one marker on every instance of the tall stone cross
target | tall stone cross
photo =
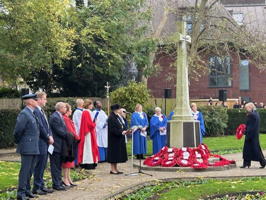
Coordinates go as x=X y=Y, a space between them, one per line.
x=108 y=97
x=184 y=130
x=182 y=110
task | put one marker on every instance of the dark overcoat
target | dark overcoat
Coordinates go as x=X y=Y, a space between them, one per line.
x=116 y=151
x=252 y=150
x=59 y=131
x=45 y=131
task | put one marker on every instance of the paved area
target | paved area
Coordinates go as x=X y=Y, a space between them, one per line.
x=104 y=184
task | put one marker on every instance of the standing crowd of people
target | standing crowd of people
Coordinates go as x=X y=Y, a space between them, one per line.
x=84 y=140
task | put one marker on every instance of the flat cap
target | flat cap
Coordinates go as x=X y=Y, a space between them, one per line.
x=29 y=96
x=115 y=107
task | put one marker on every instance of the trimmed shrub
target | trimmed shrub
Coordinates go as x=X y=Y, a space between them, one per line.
x=235 y=118
x=262 y=113
x=7 y=125
x=216 y=119
x=9 y=93
x=130 y=95
x=238 y=116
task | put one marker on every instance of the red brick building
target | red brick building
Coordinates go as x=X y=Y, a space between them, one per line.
x=239 y=78
x=242 y=80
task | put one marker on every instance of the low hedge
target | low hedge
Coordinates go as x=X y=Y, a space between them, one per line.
x=9 y=93
x=7 y=124
x=238 y=116
x=216 y=119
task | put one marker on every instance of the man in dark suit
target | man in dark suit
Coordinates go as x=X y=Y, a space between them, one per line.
x=59 y=131
x=45 y=139
x=26 y=134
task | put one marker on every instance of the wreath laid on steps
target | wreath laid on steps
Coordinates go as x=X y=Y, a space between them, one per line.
x=197 y=158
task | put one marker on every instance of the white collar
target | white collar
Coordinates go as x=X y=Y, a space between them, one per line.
x=195 y=113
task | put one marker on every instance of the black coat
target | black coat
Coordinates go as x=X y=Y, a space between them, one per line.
x=117 y=151
x=252 y=150
x=68 y=154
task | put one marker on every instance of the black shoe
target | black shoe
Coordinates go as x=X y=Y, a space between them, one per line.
x=39 y=192
x=120 y=172
x=73 y=185
x=30 y=195
x=262 y=167
x=244 y=166
x=115 y=173
x=22 y=198
x=47 y=190
x=65 y=185
x=59 y=188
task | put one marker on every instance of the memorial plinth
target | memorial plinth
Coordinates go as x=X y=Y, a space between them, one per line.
x=184 y=133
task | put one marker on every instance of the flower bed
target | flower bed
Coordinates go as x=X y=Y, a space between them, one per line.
x=240 y=196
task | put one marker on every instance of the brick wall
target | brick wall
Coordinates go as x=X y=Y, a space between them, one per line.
x=199 y=89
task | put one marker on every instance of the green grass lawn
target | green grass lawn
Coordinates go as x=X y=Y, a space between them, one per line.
x=191 y=190
x=220 y=145
x=213 y=187
x=9 y=178
x=8 y=174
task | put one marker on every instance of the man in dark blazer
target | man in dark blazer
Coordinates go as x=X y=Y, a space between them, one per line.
x=26 y=134
x=45 y=139
x=59 y=131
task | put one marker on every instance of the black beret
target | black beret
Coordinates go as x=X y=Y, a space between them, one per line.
x=115 y=107
x=29 y=96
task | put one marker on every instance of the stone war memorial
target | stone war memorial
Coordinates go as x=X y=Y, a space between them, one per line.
x=184 y=149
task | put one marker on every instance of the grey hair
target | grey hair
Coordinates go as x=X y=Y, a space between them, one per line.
x=59 y=105
x=251 y=105
x=79 y=102
x=158 y=109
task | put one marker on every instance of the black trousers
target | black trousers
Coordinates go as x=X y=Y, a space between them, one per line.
x=27 y=167
x=56 y=171
x=39 y=171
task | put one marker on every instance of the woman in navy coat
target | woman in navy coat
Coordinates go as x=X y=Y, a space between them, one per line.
x=252 y=150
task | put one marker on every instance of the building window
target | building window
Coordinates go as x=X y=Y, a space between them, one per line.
x=244 y=75
x=220 y=71
x=189 y=27
x=239 y=18
x=189 y=24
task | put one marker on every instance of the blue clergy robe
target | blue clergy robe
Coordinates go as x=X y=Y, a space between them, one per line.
x=158 y=138
x=139 y=140
x=170 y=116
x=198 y=116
